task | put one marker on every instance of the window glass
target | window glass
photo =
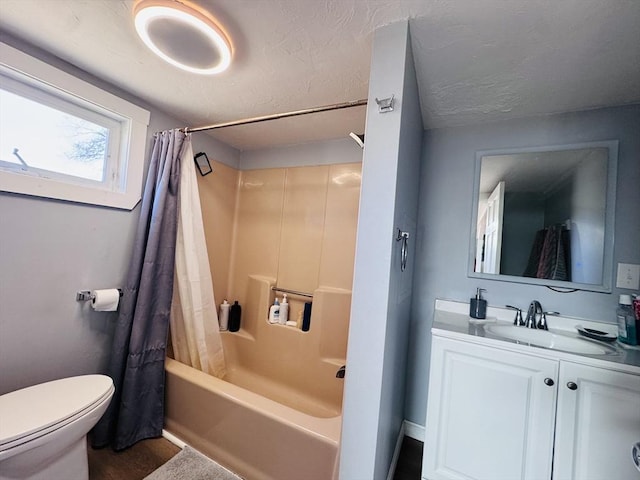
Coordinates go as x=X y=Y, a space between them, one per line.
x=63 y=138
x=66 y=144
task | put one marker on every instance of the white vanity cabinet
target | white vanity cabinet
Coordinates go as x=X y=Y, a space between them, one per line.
x=494 y=413
x=490 y=413
x=598 y=420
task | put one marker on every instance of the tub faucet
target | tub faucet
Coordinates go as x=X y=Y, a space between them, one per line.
x=341 y=371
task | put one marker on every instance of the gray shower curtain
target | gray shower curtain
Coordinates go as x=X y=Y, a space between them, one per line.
x=137 y=359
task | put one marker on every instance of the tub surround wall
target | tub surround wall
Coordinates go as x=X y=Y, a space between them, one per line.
x=297 y=225
x=254 y=212
x=218 y=198
x=293 y=227
x=302 y=365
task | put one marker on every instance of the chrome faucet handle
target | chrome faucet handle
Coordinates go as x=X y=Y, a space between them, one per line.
x=542 y=323
x=518 y=321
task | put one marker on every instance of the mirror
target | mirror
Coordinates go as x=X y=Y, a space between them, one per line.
x=545 y=216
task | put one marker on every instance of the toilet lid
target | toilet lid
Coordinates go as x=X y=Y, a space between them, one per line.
x=27 y=411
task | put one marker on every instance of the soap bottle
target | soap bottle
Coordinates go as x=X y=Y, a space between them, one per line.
x=626 y=321
x=284 y=310
x=224 y=315
x=234 y=317
x=478 y=305
x=274 y=312
x=306 y=317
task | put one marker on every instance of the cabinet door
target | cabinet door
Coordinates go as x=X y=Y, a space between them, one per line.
x=490 y=414
x=597 y=424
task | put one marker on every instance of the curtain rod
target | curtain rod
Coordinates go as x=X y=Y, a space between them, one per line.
x=275 y=116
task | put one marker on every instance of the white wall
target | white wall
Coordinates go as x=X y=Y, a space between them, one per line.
x=51 y=249
x=374 y=390
x=445 y=220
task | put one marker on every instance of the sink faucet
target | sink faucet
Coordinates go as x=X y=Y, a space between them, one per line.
x=536 y=317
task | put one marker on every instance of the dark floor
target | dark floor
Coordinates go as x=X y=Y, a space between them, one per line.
x=410 y=460
x=144 y=457
x=135 y=463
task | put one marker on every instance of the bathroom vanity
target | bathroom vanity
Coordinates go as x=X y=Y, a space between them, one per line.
x=502 y=408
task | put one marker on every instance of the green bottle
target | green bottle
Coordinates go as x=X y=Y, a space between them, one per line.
x=626 y=321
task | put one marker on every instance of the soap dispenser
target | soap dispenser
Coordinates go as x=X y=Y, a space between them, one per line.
x=274 y=312
x=478 y=305
x=284 y=310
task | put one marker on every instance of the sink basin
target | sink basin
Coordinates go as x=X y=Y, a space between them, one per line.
x=546 y=339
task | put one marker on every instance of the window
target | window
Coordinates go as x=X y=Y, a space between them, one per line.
x=63 y=138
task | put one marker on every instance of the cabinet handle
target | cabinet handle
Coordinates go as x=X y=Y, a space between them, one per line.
x=548 y=381
x=572 y=386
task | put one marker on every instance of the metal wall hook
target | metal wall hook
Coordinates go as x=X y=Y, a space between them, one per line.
x=403 y=237
x=386 y=104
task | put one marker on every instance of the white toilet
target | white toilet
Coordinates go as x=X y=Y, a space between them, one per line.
x=43 y=428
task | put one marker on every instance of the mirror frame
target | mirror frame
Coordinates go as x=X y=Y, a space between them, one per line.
x=609 y=224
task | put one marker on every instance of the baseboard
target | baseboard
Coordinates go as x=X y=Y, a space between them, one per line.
x=413 y=430
x=396 y=453
x=173 y=439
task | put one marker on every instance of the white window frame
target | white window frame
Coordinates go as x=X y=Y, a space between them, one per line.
x=122 y=186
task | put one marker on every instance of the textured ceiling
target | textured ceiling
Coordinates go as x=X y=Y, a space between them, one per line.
x=476 y=61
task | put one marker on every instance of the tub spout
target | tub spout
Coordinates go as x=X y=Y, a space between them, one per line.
x=341 y=371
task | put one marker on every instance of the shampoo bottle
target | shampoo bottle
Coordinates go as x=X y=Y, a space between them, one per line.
x=306 y=317
x=234 y=317
x=274 y=312
x=284 y=310
x=478 y=305
x=224 y=315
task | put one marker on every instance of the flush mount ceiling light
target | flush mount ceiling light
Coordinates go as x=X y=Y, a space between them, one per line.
x=183 y=35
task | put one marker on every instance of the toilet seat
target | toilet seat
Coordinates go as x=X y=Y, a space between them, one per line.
x=32 y=412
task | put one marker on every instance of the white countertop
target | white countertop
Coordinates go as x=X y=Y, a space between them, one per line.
x=452 y=320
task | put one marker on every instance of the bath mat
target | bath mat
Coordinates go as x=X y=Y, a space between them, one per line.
x=191 y=465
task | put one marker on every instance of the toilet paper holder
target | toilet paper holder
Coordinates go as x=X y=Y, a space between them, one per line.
x=86 y=295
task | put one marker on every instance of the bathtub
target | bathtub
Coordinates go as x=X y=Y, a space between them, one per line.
x=277 y=413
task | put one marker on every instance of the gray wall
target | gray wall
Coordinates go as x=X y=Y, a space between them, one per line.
x=326 y=152
x=586 y=216
x=51 y=249
x=445 y=219
x=373 y=407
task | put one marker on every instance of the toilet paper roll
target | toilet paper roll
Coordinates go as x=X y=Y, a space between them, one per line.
x=105 y=300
